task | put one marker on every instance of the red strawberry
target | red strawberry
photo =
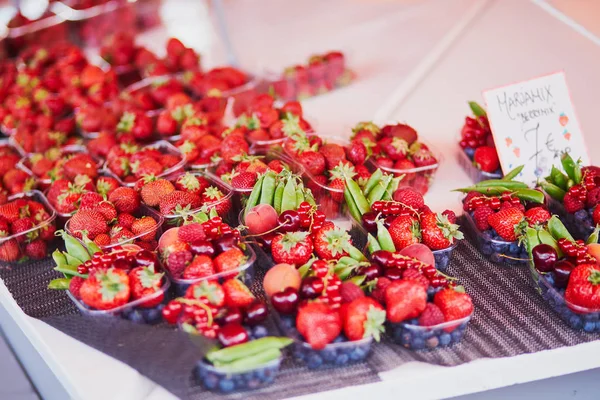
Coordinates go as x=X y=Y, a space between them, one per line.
x=200 y=267
x=450 y=215
x=416 y=275
x=143 y=225
x=454 y=303
x=331 y=242
x=409 y=197
x=90 y=200
x=145 y=282
x=244 y=180
x=572 y=203
x=405 y=231
x=106 y=289
x=191 y=233
x=481 y=215
x=102 y=240
x=334 y=154
x=211 y=291
x=213 y=196
x=125 y=220
x=378 y=292
x=404 y=300
x=22 y=225
x=233 y=146
x=120 y=235
x=191 y=183
x=229 y=260
x=507 y=223
x=395 y=148
x=125 y=200
x=350 y=291
x=146 y=167
x=583 y=289
x=105 y=185
x=423 y=158
x=486 y=159
x=364 y=317
x=87 y=220
x=537 y=215
x=437 y=232
x=36 y=250
x=292 y=248
x=75 y=286
x=178 y=202
x=313 y=161
x=319 y=324
x=356 y=153
x=276 y=166
x=432 y=315
x=9 y=250
x=403 y=131
x=10 y=211
x=596 y=215
x=107 y=210
x=237 y=294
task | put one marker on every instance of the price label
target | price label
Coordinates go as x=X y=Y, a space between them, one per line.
x=533 y=123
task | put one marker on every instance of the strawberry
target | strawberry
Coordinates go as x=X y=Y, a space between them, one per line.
x=507 y=223
x=424 y=158
x=486 y=159
x=403 y=131
x=207 y=290
x=154 y=190
x=191 y=183
x=80 y=164
x=213 y=196
x=102 y=240
x=481 y=215
x=395 y=148
x=229 y=260
x=537 y=215
x=146 y=167
x=409 y=197
x=364 y=317
x=437 y=232
x=75 y=286
x=125 y=220
x=572 y=203
x=36 y=249
x=145 y=282
x=276 y=166
x=178 y=202
x=9 y=250
x=331 y=242
x=334 y=154
x=450 y=215
x=313 y=162
x=10 y=211
x=191 y=233
x=356 y=153
x=200 y=267
x=105 y=289
x=339 y=174
x=22 y=225
x=237 y=294
x=596 y=215
x=432 y=315
x=233 y=146
x=319 y=324
x=125 y=200
x=405 y=300
x=292 y=248
x=87 y=220
x=107 y=210
x=416 y=275
x=244 y=180
x=90 y=200
x=454 y=303
x=404 y=231
x=143 y=225
x=120 y=235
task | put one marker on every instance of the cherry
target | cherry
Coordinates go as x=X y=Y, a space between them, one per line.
x=286 y=301
x=311 y=287
x=172 y=311
x=225 y=242
x=145 y=258
x=256 y=313
x=232 y=334
x=562 y=272
x=388 y=220
x=202 y=248
x=320 y=268
x=369 y=221
x=289 y=221
x=233 y=316
x=544 y=257
x=371 y=272
x=393 y=273
x=121 y=263
x=383 y=258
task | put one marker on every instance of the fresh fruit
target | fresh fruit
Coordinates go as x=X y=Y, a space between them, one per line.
x=454 y=303
x=437 y=232
x=404 y=300
x=319 y=324
x=229 y=260
x=363 y=317
x=486 y=159
x=544 y=257
x=292 y=248
x=237 y=293
x=106 y=289
x=420 y=252
x=261 y=219
x=280 y=277
x=506 y=223
x=404 y=231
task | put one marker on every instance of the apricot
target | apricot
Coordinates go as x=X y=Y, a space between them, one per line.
x=280 y=277
x=261 y=218
x=594 y=250
x=167 y=238
x=420 y=252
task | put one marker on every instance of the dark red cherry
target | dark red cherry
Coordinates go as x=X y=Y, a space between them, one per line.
x=256 y=313
x=289 y=221
x=232 y=334
x=225 y=242
x=544 y=257
x=286 y=301
x=311 y=288
x=383 y=258
x=203 y=248
x=369 y=221
x=562 y=272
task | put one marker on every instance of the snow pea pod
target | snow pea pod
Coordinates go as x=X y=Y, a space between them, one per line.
x=558 y=230
x=233 y=353
x=278 y=196
x=530 y=195
x=255 y=195
x=352 y=208
x=359 y=198
x=558 y=178
x=251 y=362
x=384 y=238
x=372 y=244
x=512 y=174
x=506 y=184
x=375 y=177
x=288 y=201
x=553 y=191
x=267 y=191
x=59 y=284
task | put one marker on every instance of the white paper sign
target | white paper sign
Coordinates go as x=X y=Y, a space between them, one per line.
x=533 y=123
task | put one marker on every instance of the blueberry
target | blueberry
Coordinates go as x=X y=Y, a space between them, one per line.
x=445 y=339
x=210 y=381
x=299 y=354
x=153 y=315
x=470 y=152
x=405 y=339
x=314 y=361
x=359 y=353
x=456 y=335
x=254 y=383
x=575 y=321
x=287 y=322
x=136 y=317
x=417 y=343
x=259 y=331
x=430 y=292
x=226 y=385
x=328 y=355
x=342 y=359
x=598 y=326
x=589 y=326
x=340 y=339
x=487 y=235
x=513 y=248
x=581 y=215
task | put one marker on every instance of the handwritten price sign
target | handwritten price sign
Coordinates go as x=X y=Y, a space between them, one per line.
x=533 y=122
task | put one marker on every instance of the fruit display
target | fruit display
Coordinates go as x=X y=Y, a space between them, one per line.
x=396 y=149
x=206 y=250
x=116 y=220
x=321 y=74
x=22 y=32
x=123 y=281
x=498 y=213
x=478 y=155
x=14 y=179
x=26 y=227
x=129 y=162
x=182 y=195
x=573 y=195
x=566 y=274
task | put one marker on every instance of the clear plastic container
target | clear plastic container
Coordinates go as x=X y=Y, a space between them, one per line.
x=245 y=273
x=142 y=211
x=164 y=147
x=48 y=30
x=496 y=250
x=577 y=317
x=580 y=224
x=415 y=337
x=131 y=311
x=12 y=248
x=217 y=380
x=474 y=173
x=339 y=353
x=147 y=14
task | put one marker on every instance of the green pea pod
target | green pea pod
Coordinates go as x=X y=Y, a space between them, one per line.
x=288 y=201
x=558 y=178
x=278 y=196
x=384 y=238
x=299 y=195
x=558 y=230
x=372 y=244
x=578 y=174
x=389 y=191
x=506 y=184
x=396 y=183
x=59 y=284
x=344 y=273
x=530 y=195
x=70 y=270
x=377 y=193
x=553 y=191
x=75 y=249
x=357 y=280
x=72 y=260
x=240 y=351
x=305 y=269
x=91 y=247
x=251 y=362
x=213 y=212
x=570 y=184
x=352 y=208
x=546 y=238
x=593 y=238
x=268 y=188
x=375 y=177
x=254 y=197
x=568 y=165
x=359 y=198
x=512 y=174
x=308 y=196
x=477 y=110
x=532 y=239
x=355 y=253
x=491 y=190
x=59 y=258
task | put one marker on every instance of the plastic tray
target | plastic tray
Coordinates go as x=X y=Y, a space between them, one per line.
x=577 y=317
x=142 y=211
x=417 y=337
x=47 y=30
x=579 y=228
x=474 y=173
x=31 y=195
x=245 y=272
x=132 y=310
x=166 y=148
x=213 y=379
x=497 y=251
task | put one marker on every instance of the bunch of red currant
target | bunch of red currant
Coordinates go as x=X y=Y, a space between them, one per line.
x=495 y=203
x=576 y=250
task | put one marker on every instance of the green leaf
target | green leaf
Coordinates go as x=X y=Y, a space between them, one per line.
x=478 y=111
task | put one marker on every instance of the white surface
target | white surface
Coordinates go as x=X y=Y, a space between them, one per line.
x=387 y=41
